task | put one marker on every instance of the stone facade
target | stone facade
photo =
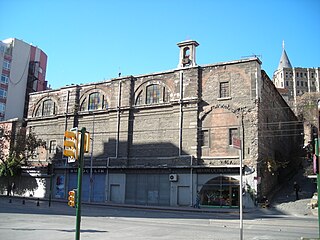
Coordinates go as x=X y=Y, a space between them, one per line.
x=159 y=138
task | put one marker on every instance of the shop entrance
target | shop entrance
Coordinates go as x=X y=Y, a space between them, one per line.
x=221 y=191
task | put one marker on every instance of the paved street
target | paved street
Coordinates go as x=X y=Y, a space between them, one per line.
x=29 y=221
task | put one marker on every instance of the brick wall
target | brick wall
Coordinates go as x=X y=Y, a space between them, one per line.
x=157 y=134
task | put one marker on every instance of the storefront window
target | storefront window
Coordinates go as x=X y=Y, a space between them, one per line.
x=220 y=192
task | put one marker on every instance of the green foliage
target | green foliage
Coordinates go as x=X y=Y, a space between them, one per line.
x=307 y=107
x=10 y=167
x=17 y=148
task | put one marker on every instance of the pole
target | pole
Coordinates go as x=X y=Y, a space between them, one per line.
x=240 y=193
x=91 y=160
x=317 y=165
x=79 y=190
x=50 y=194
x=318 y=179
x=241 y=187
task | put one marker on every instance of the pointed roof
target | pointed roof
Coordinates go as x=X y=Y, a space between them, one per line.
x=284 y=60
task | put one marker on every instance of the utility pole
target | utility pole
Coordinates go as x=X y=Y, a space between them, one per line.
x=79 y=190
x=318 y=178
x=75 y=150
x=238 y=144
x=317 y=164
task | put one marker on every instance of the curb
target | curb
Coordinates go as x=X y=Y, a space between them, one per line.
x=149 y=207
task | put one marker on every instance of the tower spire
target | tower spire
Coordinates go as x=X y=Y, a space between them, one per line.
x=284 y=60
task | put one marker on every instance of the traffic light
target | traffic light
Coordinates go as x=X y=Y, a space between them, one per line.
x=70 y=143
x=72 y=198
x=86 y=142
x=86 y=145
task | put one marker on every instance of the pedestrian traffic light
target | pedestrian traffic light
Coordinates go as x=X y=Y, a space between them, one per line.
x=72 y=198
x=70 y=144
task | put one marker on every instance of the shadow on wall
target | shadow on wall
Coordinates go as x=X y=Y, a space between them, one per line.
x=152 y=148
x=25 y=185
x=144 y=154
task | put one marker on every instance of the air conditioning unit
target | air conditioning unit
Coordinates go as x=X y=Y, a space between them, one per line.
x=173 y=177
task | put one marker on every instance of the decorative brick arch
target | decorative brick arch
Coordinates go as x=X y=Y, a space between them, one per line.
x=208 y=109
x=39 y=104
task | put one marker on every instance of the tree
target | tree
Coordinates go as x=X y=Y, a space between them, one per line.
x=307 y=107
x=17 y=148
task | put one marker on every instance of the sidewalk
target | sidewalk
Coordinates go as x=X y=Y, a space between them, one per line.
x=285 y=200
x=163 y=208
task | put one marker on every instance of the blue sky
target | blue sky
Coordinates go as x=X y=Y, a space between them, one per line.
x=89 y=41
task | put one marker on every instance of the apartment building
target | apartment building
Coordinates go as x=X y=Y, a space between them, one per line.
x=23 y=70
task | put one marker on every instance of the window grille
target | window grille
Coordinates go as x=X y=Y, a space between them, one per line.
x=224 y=89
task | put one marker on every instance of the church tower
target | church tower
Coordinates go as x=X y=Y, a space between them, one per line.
x=187 y=53
x=284 y=60
x=283 y=74
x=294 y=81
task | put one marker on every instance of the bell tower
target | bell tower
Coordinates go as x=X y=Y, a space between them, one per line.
x=187 y=53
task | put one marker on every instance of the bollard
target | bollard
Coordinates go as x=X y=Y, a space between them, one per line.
x=10 y=200
x=23 y=202
x=38 y=203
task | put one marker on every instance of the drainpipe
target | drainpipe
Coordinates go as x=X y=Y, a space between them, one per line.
x=67 y=106
x=65 y=128
x=91 y=159
x=191 y=181
x=308 y=78
x=180 y=113
x=317 y=77
x=118 y=120
x=107 y=181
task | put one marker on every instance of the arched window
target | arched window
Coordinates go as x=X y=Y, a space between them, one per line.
x=46 y=108
x=186 y=52
x=94 y=101
x=139 y=99
x=153 y=94
x=166 y=95
x=39 y=112
x=83 y=105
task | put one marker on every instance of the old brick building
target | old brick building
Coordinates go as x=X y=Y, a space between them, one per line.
x=160 y=138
